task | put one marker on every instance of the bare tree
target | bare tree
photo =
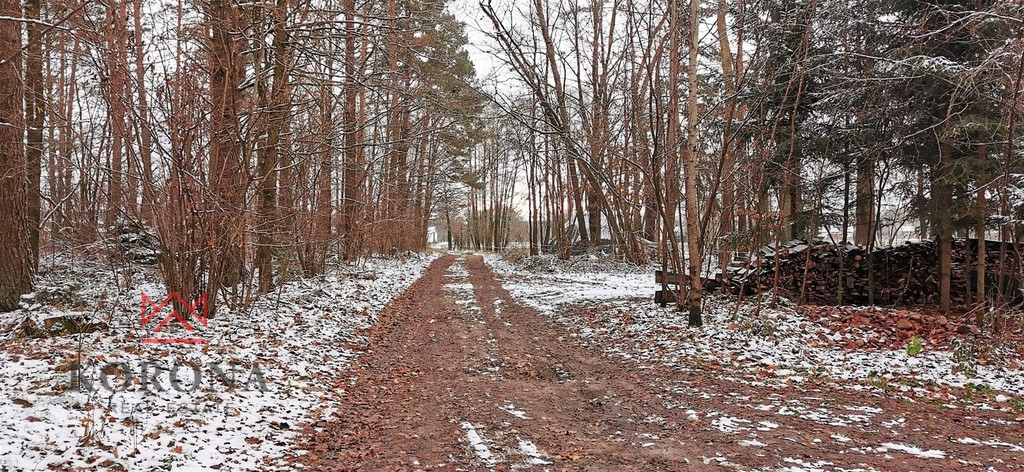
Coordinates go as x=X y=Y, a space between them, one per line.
x=228 y=178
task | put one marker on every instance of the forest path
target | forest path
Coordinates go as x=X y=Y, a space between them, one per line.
x=458 y=376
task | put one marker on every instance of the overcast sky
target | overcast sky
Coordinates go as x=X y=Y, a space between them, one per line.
x=489 y=70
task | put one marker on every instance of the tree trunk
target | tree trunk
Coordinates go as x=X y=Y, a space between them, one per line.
x=577 y=200
x=325 y=169
x=279 y=104
x=865 y=201
x=942 y=194
x=690 y=182
x=1005 y=232
x=35 y=113
x=15 y=254
x=922 y=212
x=727 y=217
x=671 y=251
x=114 y=88
x=979 y=230
x=66 y=150
x=227 y=178
x=144 y=130
x=355 y=175
x=847 y=180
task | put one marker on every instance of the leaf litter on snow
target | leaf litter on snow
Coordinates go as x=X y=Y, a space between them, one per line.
x=302 y=337
x=611 y=307
x=779 y=345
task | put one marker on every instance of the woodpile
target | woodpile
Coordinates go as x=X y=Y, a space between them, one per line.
x=908 y=274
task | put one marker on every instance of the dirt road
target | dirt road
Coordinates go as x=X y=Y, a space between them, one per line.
x=458 y=376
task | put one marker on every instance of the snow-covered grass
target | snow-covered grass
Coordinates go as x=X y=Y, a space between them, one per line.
x=301 y=337
x=766 y=346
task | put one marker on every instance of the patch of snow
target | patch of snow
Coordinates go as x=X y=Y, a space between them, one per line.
x=511 y=409
x=915 y=451
x=1012 y=447
x=727 y=424
x=479 y=445
x=534 y=455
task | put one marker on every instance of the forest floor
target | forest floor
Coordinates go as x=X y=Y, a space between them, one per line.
x=464 y=362
x=302 y=336
x=556 y=370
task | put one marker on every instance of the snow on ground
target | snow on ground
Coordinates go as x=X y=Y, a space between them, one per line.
x=611 y=307
x=774 y=347
x=534 y=456
x=298 y=339
x=914 y=450
x=479 y=444
x=511 y=409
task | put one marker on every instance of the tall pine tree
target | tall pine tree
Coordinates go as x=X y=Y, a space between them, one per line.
x=15 y=254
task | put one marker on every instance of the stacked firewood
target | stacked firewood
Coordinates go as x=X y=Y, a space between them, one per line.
x=823 y=272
